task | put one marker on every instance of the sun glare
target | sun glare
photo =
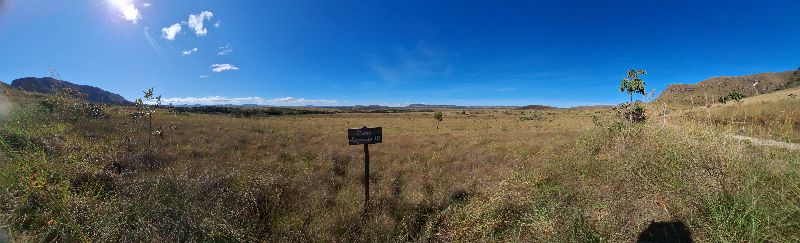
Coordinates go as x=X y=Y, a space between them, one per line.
x=127 y=9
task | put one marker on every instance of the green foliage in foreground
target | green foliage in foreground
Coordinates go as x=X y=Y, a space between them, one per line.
x=605 y=186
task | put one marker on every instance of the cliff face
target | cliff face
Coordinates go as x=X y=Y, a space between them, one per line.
x=49 y=85
x=711 y=89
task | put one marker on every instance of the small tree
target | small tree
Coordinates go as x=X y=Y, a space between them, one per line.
x=147 y=108
x=633 y=84
x=439 y=117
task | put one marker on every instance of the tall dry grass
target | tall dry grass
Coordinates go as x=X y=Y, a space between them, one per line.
x=482 y=175
x=771 y=116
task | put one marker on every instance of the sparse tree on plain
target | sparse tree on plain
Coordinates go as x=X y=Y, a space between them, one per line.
x=439 y=117
x=632 y=84
x=147 y=108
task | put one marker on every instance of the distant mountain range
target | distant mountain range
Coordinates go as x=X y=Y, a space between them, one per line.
x=50 y=85
x=706 y=91
x=537 y=107
x=424 y=106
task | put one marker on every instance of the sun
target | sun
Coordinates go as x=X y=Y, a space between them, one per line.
x=127 y=9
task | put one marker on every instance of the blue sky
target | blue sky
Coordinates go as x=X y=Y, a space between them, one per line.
x=294 y=52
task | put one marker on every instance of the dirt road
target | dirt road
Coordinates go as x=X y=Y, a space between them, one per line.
x=767 y=142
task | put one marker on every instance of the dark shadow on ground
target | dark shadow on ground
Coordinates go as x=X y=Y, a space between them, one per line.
x=3 y=236
x=673 y=231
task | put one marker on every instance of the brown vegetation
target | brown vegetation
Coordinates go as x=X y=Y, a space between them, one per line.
x=478 y=175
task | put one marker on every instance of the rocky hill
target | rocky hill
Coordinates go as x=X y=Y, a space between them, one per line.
x=711 y=89
x=49 y=85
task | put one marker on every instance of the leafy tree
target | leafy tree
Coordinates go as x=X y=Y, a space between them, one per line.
x=632 y=84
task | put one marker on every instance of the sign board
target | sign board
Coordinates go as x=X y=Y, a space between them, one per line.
x=365 y=135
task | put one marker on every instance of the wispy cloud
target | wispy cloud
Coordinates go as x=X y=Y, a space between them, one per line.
x=224 y=50
x=217 y=24
x=170 y=32
x=153 y=43
x=196 y=22
x=411 y=64
x=204 y=76
x=217 y=68
x=219 y=100
x=128 y=10
x=189 y=52
x=146 y=4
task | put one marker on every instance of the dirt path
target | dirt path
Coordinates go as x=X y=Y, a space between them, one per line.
x=767 y=142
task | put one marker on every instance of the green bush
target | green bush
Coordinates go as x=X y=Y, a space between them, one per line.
x=735 y=96
x=438 y=116
x=631 y=112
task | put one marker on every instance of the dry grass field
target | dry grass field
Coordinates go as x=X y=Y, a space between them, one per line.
x=479 y=175
x=772 y=116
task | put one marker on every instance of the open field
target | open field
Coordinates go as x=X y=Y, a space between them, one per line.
x=399 y=121
x=485 y=175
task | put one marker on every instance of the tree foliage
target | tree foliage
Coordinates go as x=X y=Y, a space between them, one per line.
x=632 y=84
x=438 y=116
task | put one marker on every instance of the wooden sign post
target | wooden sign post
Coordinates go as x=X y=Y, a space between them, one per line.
x=365 y=136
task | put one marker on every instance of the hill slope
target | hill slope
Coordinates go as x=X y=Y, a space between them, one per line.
x=772 y=116
x=49 y=85
x=795 y=80
x=713 y=88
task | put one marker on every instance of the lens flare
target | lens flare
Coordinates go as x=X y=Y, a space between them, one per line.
x=127 y=9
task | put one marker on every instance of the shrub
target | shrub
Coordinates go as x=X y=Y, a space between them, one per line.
x=70 y=104
x=438 y=116
x=632 y=112
x=736 y=96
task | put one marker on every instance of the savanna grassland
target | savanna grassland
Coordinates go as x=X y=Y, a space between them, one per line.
x=479 y=175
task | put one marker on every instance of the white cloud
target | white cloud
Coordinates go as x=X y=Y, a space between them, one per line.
x=204 y=76
x=196 y=22
x=128 y=10
x=219 y=100
x=146 y=4
x=189 y=52
x=226 y=49
x=222 y=67
x=217 y=24
x=170 y=32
